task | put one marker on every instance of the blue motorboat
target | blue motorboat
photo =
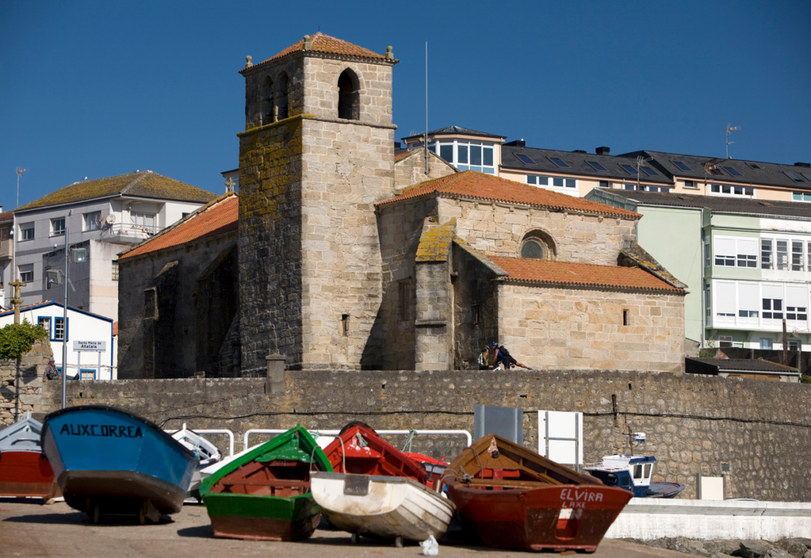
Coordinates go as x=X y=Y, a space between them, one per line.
x=108 y=461
x=633 y=473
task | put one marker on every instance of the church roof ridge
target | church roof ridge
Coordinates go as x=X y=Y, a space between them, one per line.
x=472 y=184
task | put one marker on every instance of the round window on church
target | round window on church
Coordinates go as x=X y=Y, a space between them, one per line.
x=532 y=250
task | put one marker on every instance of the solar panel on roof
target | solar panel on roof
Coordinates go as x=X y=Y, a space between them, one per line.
x=649 y=171
x=524 y=159
x=807 y=176
x=597 y=166
x=628 y=168
x=559 y=162
x=681 y=166
x=732 y=171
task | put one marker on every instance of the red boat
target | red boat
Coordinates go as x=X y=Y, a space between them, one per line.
x=359 y=450
x=24 y=470
x=510 y=497
x=434 y=467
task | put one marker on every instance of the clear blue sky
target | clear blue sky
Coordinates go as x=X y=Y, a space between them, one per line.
x=94 y=89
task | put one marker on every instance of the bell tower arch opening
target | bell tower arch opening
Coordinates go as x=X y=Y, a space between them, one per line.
x=348 y=95
x=281 y=97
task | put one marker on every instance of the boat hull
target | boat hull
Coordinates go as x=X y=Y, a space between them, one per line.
x=386 y=507
x=109 y=461
x=26 y=473
x=262 y=517
x=560 y=517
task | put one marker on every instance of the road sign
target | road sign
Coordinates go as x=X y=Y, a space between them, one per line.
x=90 y=346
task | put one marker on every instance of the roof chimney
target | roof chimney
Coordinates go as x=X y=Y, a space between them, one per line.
x=603 y=150
x=517 y=143
x=806 y=165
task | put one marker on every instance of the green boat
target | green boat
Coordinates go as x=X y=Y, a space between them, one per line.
x=265 y=494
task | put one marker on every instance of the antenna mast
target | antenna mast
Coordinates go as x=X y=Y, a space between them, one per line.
x=729 y=130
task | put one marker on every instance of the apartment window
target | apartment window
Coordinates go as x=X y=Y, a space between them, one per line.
x=796 y=255
x=765 y=344
x=467 y=155
x=92 y=221
x=724 y=340
x=772 y=309
x=26 y=274
x=798 y=313
x=724 y=301
x=766 y=253
x=725 y=251
x=707 y=254
x=145 y=221
x=27 y=231
x=689 y=184
x=801 y=196
x=45 y=323
x=58 y=226
x=115 y=271
x=605 y=184
x=782 y=255
x=730 y=190
x=59 y=329
x=748 y=306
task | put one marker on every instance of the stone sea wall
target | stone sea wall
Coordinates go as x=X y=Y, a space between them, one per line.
x=755 y=433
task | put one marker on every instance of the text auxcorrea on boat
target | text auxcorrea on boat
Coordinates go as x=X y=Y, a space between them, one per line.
x=633 y=473
x=110 y=461
x=510 y=497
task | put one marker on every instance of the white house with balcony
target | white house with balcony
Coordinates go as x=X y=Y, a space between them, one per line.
x=102 y=218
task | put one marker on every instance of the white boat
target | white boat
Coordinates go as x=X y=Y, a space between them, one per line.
x=396 y=508
x=205 y=453
x=633 y=473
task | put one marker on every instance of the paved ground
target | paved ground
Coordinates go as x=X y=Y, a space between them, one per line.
x=29 y=529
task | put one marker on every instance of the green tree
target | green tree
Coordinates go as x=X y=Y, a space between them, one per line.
x=15 y=341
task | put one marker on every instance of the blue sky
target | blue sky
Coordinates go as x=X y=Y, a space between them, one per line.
x=94 y=89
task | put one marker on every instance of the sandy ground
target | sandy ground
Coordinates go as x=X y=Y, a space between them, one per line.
x=30 y=529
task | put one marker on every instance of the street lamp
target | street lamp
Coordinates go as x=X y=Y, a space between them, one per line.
x=65 y=317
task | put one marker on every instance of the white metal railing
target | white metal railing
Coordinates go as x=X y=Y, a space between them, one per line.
x=465 y=433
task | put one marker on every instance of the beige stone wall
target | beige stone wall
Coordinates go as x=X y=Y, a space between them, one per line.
x=346 y=168
x=498 y=229
x=410 y=169
x=32 y=372
x=551 y=329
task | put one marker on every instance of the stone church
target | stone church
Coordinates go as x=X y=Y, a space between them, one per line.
x=350 y=257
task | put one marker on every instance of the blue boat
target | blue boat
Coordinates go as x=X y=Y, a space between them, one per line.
x=108 y=461
x=633 y=473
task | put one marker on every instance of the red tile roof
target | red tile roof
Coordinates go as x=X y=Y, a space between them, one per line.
x=477 y=185
x=591 y=275
x=218 y=217
x=329 y=45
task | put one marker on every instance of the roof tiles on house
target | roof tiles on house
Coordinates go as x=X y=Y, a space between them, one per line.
x=580 y=274
x=219 y=217
x=476 y=185
x=6 y=216
x=144 y=184
x=324 y=44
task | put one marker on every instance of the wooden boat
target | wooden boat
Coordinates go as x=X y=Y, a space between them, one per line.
x=24 y=470
x=377 y=490
x=633 y=473
x=108 y=461
x=510 y=497
x=265 y=493
x=205 y=455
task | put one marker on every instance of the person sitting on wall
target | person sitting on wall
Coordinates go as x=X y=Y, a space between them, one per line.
x=503 y=357
x=51 y=371
x=485 y=361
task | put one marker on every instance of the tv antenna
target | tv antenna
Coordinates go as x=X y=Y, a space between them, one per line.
x=729 y=130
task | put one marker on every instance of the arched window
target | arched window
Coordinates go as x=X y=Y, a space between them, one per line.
x=266 y=98
x=532 y=249
x=537 y=245
x=348 y=96
x=281 y=97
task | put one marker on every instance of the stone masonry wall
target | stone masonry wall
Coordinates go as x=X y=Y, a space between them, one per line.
x=694 y=424
x=475 y=300
x=555 y=328
x=434 y=316
x=498 y=228
x=270 y=169
x=347 y=168
x=32 y=374
x=410 y=169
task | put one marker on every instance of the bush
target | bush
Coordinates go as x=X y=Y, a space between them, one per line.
x=17 y=339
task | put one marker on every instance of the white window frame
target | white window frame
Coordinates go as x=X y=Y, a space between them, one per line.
x=92 y=221
x=732 y=190
x=455 y=145
x=26 y=273
x=56 y=230
x=24 y=229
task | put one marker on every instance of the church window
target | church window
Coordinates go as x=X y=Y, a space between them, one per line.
x=404 y=299
x=537 y=245
x=281 y=98
x=268 y=108
x=626 y=318
x=150 y=303
x=348 y=96
x=532 y=249
x=344 y=325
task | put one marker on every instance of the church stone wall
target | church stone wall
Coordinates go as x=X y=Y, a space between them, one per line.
x=410 y=169
x=550 y=328
x=759 y=432
x=498 y=228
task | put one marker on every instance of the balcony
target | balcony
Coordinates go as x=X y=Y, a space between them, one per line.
x=128 y=233
x=5 y=249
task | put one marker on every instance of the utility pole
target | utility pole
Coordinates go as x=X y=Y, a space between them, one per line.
x=65 y=318
x=15 y=283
